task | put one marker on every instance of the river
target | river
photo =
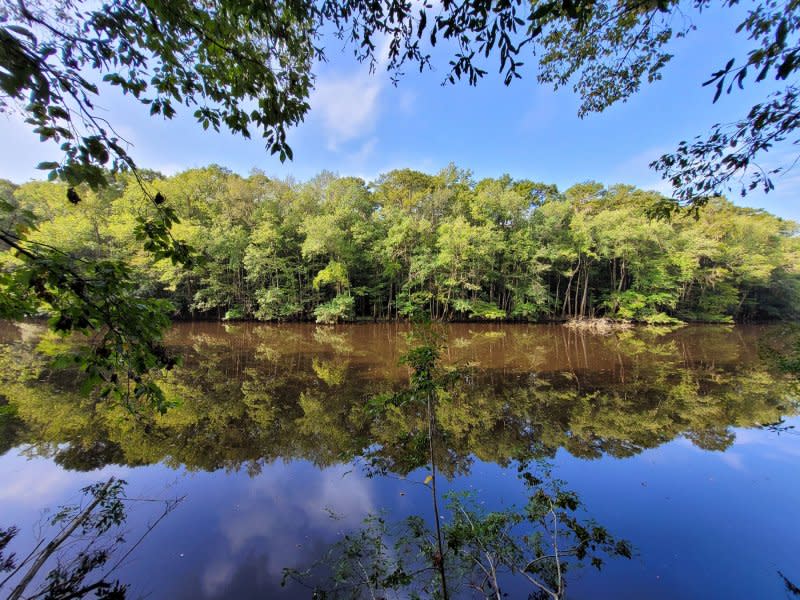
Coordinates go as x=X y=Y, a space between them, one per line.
x=681 y=442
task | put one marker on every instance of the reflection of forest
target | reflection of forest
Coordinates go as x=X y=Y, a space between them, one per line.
x=253 y=394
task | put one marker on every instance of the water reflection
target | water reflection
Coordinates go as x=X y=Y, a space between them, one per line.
x=272 y=436
x=252 y=394
x=79 y=548
x=525 y=551
x=467 y=549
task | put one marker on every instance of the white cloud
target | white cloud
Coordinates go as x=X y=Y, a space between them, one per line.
x=39 y=483
x=733 y=460
x=347 y=105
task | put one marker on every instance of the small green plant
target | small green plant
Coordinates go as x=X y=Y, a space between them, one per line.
x=235 y=313
x=336 y=310
x=486 y=550
x=467 y=547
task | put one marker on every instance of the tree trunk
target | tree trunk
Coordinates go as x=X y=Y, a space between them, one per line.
x=585 y=289
x=54 y=544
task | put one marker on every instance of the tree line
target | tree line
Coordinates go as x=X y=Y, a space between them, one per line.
x=445 y=246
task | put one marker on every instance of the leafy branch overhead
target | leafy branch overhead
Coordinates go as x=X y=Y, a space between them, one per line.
x=250 y=67
x=727 y=156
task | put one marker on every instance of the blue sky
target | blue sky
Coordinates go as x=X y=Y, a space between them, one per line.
x=360 y=124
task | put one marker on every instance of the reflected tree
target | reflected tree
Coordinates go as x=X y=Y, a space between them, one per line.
x=470 y=549
x=248 y=399
x=87 y=547
x=487 y=553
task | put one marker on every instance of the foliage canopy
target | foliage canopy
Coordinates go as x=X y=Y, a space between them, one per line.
x=336 y=249
x=250 y=66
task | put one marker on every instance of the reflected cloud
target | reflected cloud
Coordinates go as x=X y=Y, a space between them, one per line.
x=38 y=482
x=290 y=517
x=734 y=460
x=273 y=418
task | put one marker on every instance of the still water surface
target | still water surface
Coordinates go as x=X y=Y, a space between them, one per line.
x=666 y=437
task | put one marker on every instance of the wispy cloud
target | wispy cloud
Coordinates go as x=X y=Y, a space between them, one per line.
x=364 y=153
x=637 y=171
x=406 y=102
x=349 y=104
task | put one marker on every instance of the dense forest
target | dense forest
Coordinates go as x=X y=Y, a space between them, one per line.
x=338 y=248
